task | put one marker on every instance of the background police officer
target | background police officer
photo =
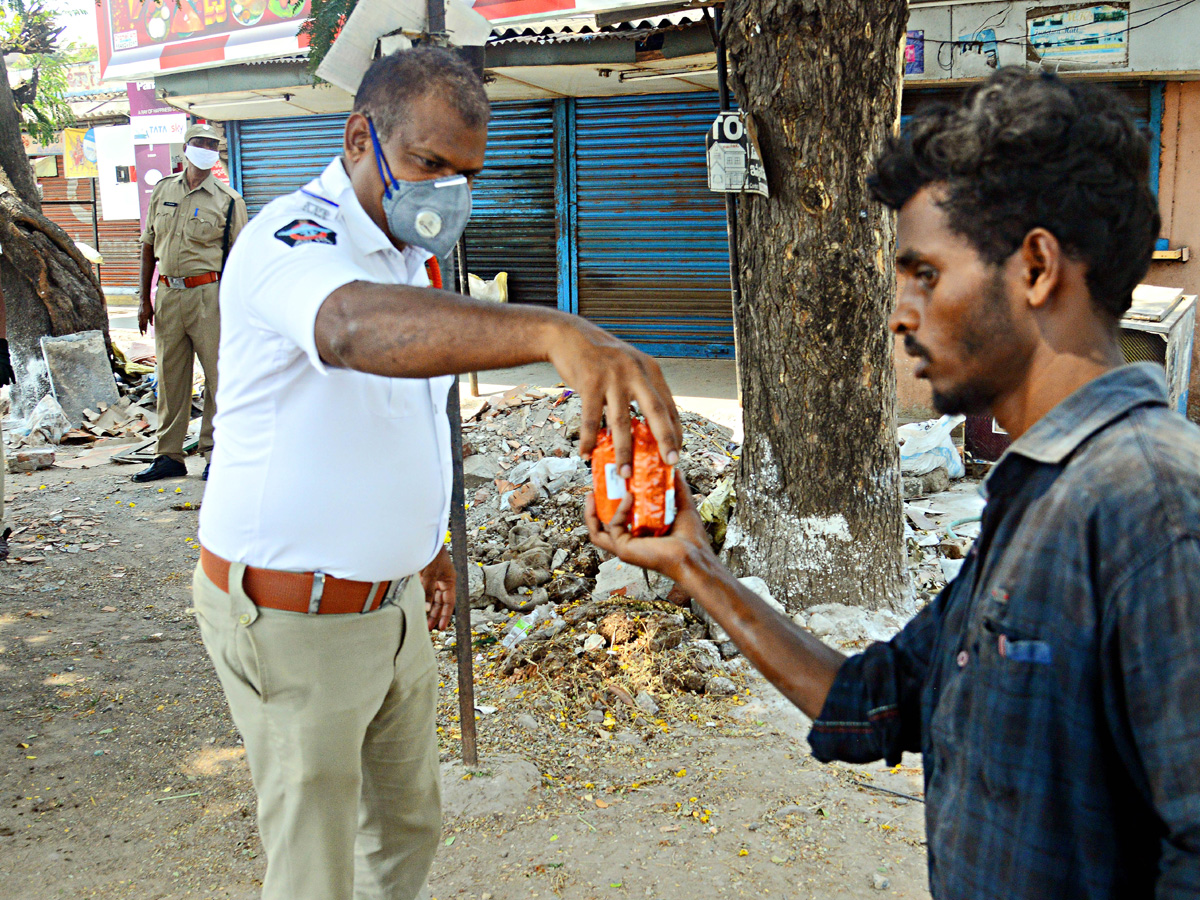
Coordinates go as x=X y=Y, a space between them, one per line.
x=192 y=222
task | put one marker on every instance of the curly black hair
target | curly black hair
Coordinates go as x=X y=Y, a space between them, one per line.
x=394 y=82
x=1029 y=150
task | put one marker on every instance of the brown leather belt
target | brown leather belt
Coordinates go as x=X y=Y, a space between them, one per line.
x=303 y=592
x=189 y=281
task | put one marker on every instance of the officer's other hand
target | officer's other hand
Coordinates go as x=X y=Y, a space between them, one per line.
x=439 y=581
x=7 y=375
x=672 y=554
x=609 y=374
x=145 y=314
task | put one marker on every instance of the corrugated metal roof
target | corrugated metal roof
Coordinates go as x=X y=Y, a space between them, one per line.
x=582 y=28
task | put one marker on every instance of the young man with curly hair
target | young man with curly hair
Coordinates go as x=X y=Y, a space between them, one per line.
x=1052 y=687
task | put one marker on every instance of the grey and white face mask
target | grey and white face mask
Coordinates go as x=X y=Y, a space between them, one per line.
x=427 y=214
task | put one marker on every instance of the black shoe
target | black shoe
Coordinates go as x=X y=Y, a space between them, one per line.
x=207 y=466
x=162 y=467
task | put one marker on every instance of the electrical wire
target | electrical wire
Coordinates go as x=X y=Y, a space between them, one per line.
x=1025 y=42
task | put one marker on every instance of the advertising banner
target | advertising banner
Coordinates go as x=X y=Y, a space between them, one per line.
x=142 y=38
x=79 y=153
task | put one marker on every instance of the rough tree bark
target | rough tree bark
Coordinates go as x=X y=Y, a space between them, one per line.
x=819 y=512
x=49 y=288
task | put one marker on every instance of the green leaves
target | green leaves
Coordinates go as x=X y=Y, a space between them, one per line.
x=324 y=23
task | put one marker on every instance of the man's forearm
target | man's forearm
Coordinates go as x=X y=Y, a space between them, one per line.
x=790 y=658
x=147 y=271
x=406 y=332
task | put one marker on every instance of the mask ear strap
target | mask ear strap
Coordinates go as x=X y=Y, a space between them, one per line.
x=381 y=161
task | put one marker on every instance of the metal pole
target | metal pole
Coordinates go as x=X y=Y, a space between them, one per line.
x=458 y=544
x=96 y=231
x=435 y=30
x=435 y=21
x=735 y=281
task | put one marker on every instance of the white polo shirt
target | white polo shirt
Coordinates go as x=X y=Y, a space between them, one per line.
x=316 y=468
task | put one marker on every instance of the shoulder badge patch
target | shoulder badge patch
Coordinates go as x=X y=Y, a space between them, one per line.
x=306 y=231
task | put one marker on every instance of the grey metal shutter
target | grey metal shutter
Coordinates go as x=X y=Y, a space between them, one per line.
x=513 y=209
x=274 y=157
x=653 y=257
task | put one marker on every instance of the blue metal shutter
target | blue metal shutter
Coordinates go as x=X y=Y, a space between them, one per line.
x=653 y=256
x=513 y=220
x=513 y=225
x=277 y=156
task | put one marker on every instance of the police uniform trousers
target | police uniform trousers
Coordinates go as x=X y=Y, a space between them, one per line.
x=337 y=713
x=187 y=324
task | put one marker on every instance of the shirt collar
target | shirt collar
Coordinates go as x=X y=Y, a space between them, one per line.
x=208 y=184
x=335 y=184
x=1057 y=435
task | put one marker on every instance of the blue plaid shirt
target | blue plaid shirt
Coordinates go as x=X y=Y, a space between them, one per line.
x=1053 y=688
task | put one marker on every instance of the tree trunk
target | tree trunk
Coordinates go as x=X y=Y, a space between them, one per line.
x=46 y=285
x=49 y=289
x=819 y=512
x=12 y=151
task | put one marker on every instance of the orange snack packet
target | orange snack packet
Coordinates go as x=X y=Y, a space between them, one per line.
x=652 y=484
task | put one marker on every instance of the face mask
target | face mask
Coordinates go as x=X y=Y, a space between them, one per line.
x=427 y=214
x=201 y=158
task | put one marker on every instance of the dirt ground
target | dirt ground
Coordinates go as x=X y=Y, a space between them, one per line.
x=121 y=775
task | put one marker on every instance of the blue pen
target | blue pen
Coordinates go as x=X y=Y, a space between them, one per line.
x=196 y=213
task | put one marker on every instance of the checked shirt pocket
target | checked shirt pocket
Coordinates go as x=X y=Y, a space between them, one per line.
x=1019 y=709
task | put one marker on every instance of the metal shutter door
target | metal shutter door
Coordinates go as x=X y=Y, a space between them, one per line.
x=513 y=226
x=513 y=220
x=120 y=240
x=653 y=256
x=277 y=156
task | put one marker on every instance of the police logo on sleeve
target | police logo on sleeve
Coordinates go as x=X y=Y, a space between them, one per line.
x=306 y=231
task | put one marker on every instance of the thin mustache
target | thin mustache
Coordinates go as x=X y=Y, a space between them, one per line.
x=912 y=348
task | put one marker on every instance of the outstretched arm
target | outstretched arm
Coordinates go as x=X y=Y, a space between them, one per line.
x=802 y=667
x=410 y=332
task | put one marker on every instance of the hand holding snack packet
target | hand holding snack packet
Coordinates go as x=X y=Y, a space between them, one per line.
x=652 y=484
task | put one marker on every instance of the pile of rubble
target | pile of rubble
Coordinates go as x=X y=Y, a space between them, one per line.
x=591 y=622
x=586 y=619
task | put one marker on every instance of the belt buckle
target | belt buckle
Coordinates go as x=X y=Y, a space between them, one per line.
x=175 y=282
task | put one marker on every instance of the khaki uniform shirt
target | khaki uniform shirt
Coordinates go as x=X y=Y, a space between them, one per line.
x=186 y=228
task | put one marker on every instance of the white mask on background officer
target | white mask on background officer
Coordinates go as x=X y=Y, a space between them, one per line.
x=201 y=146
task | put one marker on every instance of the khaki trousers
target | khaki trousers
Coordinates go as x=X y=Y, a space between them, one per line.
x=337 y=713
x=187 y=324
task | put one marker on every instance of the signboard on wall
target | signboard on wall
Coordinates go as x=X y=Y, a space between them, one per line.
x=79 y=153
x=1078 y=35
x=163 y=128
x=141 y=38
x=914 y=53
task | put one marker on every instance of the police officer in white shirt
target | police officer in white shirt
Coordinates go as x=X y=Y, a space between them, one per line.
x=323 y=521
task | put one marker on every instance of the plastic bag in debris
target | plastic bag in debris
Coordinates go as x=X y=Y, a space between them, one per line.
x=524 y=625
x=549 y=474
x=48 y=421
x=925 y=446
x=716 y=507
x=495 y=290
x=652 y=484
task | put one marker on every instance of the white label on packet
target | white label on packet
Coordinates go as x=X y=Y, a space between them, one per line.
x=669 y=517
x=614 y=484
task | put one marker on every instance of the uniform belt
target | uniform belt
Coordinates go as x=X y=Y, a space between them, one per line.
x=189 y=281
x=303 y=592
